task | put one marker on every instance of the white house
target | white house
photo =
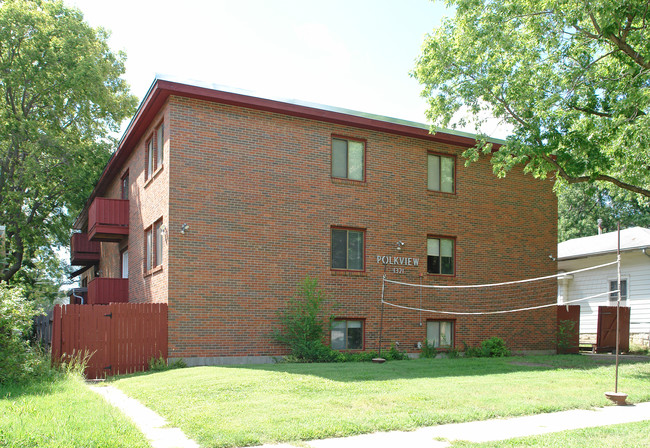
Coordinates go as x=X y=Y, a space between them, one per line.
x=580 y=253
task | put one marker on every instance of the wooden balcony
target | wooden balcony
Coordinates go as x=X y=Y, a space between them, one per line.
x=82 y=251
x=108 y=219
x=102 y=291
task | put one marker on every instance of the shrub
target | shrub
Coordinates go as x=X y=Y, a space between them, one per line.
x=566 y=333
x=160 y=364
x=490 y=348
x=302 y=326
x=428 y=350
x=18 y=360
x=394 y=354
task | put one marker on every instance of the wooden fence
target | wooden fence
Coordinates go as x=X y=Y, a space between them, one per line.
x=43 y=328
x=606 y=336
x=119 y=337
x=568 y=329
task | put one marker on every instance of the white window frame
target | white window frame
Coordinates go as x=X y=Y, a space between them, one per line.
x=613 y=297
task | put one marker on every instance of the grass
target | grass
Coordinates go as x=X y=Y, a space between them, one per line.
x=250 y=405
x=629 y=435
x=62 y=412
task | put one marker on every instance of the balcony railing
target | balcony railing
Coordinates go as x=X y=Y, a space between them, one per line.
x=102 y=291
x=108 y=219
x=82 y=251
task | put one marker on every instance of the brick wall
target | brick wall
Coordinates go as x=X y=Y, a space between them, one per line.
x=148 y=202
x=255 y=190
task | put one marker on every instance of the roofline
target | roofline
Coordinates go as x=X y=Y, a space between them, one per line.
x=163 y=87
x=598 y=254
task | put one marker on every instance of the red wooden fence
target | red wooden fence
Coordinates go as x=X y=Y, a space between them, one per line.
x=606 y=336
x=104 y=290
x=569 y=313
x=122 y=337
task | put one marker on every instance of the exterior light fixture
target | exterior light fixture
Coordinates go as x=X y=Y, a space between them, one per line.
x=400 y=245
x=184 y=228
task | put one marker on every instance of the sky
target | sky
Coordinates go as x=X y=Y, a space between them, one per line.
x=354 y=54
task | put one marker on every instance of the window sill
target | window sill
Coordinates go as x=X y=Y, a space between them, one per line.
x=349 y=273
x=153 y=176
x=153 y=271
x=342 y=181
x=442 y=194
x=449 y=276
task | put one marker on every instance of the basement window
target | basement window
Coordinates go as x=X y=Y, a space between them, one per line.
x=347 y=335
x=440 y=333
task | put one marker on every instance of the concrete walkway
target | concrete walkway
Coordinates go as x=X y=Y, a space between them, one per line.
x=491 y=430
x=154 y=427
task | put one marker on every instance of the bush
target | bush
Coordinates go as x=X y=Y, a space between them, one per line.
x=394 y=354
x=18 y=360
x=428 y=350
x=490 y=348
x=160 y=364
x=566 y=334
x=303 y=328
x=303 y=324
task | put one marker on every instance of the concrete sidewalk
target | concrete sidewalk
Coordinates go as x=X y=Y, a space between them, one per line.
x=489 y=430
x=152 y=425
x=155 y=428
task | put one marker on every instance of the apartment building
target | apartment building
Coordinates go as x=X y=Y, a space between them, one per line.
x=219 y=203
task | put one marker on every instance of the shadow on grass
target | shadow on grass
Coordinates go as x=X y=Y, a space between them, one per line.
x=424 y=368
x=430 y=368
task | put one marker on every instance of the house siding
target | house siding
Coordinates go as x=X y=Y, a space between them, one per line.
x=635 y=267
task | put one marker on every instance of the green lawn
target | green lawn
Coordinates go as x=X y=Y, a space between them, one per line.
x=630 y=435
x=249 y=405
x=62 y=413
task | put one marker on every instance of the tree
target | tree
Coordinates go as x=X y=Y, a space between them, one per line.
x=580 y=206
x=572 y=78
x=60 y=95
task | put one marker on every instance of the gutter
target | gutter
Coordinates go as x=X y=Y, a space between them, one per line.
x=645 y=250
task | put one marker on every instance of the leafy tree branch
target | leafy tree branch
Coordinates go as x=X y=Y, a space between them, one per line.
x=62 y=94
x=571 y=78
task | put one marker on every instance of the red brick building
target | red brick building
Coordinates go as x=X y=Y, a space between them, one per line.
x=220 y=203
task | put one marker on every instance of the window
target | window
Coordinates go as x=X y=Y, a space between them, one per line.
x=347 y=249
x=150 y=159
x=347 y=335
x=440 y=333
x=153 y=246
x=440 y=256
x=613 y=286
x=440 y=173
x=124 y=255
x=348 y=159
x=157 y=230
x=125 y=186
x=154 y=151
x=160 y=133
